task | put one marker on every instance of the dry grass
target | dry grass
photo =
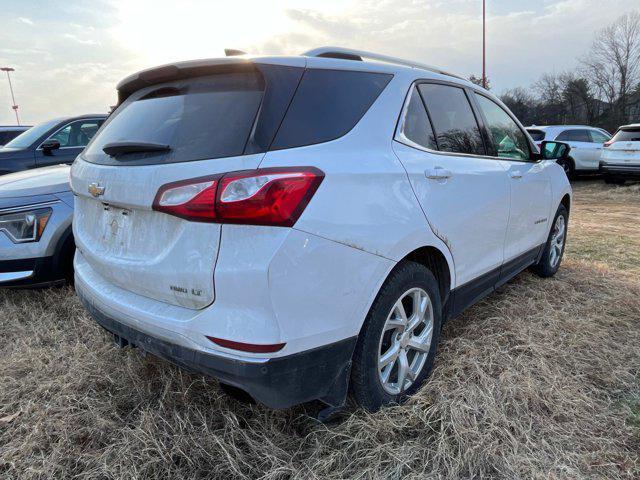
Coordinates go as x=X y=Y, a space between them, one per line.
x=541 y=380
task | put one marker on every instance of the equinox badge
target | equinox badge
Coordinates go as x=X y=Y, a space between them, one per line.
x=95 y=189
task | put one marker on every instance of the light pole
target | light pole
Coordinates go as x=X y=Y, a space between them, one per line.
x=484 y=47
x=13 y=98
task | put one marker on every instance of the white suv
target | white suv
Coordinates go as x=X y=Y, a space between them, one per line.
x=586 y=145
x=301 y=227
x=621 y=155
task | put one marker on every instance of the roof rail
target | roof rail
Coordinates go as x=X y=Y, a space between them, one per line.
x=349 y=54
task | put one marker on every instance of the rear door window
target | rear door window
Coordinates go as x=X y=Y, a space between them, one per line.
x=198 y=118
x=453 y=120
x=327 y=105
x=509 y=140
x=574 y=136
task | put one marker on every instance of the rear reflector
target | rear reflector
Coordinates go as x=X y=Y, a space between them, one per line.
x=269 y=196
x=607 y=144
x=247 y=347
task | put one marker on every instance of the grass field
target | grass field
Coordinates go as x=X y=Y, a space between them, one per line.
x=541 y=379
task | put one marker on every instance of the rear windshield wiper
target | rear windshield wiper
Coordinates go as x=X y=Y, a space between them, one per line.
x=114 y=149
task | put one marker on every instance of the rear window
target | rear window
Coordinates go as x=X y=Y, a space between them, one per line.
x=627 y=135
x=199 y=118
x=327 y=104
x=537 y=135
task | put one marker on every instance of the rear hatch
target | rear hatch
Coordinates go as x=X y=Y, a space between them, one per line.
x=173 y=123
x=624 y=147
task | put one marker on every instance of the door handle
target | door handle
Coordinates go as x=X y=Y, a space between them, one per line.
x=515 y=174
x=437 y=173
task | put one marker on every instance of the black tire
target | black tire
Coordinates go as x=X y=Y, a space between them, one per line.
x=546 y=267
x=568 y=167
x=366 y=386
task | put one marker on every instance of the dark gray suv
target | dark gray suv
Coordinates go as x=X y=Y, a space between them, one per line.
x=49 y=143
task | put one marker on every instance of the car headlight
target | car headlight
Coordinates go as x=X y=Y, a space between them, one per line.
x=25 y=226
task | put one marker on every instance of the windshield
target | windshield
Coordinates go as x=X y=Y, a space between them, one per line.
x=26 y=139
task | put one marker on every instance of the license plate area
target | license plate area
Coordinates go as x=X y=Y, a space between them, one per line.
x=115 y=225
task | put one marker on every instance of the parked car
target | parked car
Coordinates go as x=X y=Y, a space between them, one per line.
x=586 y=145
x=36 y=241
x=50 y=143
x=621 y=155
x=339 y=235
x=9 y=132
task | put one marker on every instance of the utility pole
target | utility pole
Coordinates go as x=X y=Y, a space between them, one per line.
x=484 y=45
x=13 y=98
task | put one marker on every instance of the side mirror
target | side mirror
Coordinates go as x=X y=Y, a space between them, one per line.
x=49 y=145
x=554 y=150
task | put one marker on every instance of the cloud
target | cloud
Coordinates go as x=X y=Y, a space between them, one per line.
x=71 y=63
x=73 y=37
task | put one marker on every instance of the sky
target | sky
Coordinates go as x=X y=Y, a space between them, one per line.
x=69 y=55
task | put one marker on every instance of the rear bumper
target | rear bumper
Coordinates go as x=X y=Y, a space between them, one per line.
x=625 y=170
x=318 y=374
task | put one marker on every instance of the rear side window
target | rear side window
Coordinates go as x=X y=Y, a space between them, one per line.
x=574 y=136
x=327 y=104
x=453 y=120
x=198 y=118
x=416 y=127
x=627 y=135
x=536 y=135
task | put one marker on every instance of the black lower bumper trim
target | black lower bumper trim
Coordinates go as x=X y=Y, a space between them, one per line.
x=621 y=170
x=44 y=271
x=318 y=374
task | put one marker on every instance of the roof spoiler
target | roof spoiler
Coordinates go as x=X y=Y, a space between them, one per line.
x=180 y=70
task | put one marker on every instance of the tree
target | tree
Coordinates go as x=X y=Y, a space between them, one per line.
x=478 y=81
x=613 y=64
x=577 y=98
x=521 y=103
x=551 y=109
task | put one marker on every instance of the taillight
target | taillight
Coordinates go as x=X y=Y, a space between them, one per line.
x=607 y=144
x=191 y=199
x=269 y=196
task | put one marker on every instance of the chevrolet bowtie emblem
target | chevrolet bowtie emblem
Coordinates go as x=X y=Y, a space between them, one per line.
x=95 y=189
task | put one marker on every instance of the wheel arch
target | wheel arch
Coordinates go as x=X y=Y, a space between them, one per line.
x=566 y=202
x=433 y=259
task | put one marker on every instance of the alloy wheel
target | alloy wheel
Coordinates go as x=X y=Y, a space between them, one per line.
x=405 y=341
x=557 y=241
